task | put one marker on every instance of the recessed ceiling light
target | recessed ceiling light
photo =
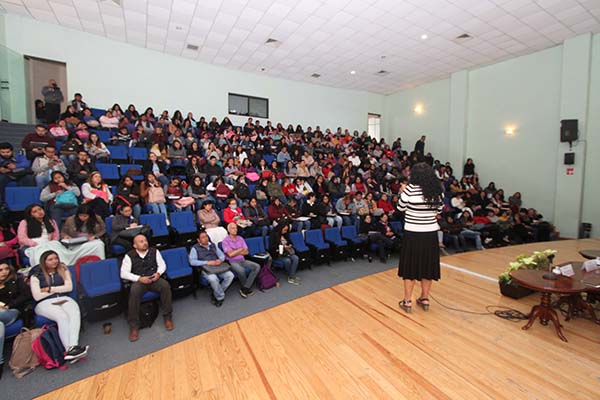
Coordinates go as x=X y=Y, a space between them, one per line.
x=352 y=72
x=178 y=28
x=263 y=69
x=424 y=36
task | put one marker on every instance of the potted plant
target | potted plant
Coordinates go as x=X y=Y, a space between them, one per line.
x=538 y=260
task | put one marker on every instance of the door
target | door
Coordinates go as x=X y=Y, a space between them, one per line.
x=39 y=72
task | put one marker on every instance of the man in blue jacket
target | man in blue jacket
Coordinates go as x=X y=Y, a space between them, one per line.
x=13 y=168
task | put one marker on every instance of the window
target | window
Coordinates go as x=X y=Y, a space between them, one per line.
x=250 y=106
x=374 y=126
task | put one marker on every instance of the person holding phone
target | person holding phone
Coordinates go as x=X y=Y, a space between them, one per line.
x=44 y=166
x=51 y=283
x=281 y=249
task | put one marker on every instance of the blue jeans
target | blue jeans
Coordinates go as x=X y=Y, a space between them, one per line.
x=219 y=282
x=42 y=180
x=7 y=317
x=335 y=221
x=469 y=234
x=238 y=268
x=58 y=213
x=158 y=208
x=300 y=225
x=290 y=264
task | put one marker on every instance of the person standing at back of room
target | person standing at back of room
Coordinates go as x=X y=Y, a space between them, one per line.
x=53 y=96
x=420 y=146
x=421 y=200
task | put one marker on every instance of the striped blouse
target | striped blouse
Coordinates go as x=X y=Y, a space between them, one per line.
x=419 y=216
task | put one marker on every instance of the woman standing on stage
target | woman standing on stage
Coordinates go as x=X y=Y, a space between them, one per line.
x=421 y=200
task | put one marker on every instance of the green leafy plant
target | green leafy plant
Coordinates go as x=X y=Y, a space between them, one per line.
x=538 y=260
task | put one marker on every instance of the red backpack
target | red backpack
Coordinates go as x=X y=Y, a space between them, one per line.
x=49 y=349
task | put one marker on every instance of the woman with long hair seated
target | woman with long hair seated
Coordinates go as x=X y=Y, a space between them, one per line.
x=97 y=195
x=85 y=224
x=15 y=300
x=281 y=249
x=128 y=193
x=60 y=196
x=50 y=284
x=38 y=233
x=153 y=194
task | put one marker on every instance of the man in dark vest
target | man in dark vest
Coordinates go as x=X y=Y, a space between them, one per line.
x=144 y=266
x=211 y=260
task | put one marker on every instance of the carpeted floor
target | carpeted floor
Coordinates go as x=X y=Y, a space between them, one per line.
x=191 y=317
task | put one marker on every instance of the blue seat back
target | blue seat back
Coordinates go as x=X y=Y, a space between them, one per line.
x=298 y=241
x=104 y=136
x=108 y=171
x=118 y=152
x=269 y=158
x=183 y=222
x=315 y=237
x=108 y=222
x=333 y=235
x=97 y=112
x=349 y=232
x=138 y=153
x=157 y=222
x=126 y=167
x=18 y=198
x=177 y=262
x=255 y=245
x=100 y=277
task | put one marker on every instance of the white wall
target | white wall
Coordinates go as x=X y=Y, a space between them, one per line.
x=591 y=185
x=400 y=119
x=105 y=71
x=523 y=92
x=465 y=116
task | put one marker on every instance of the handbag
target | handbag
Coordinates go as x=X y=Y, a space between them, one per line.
x=66 y=199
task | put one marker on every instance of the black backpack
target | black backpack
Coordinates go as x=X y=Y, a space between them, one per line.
x=148 y=313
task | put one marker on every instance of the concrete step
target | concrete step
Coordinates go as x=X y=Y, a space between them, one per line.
x=14 y=133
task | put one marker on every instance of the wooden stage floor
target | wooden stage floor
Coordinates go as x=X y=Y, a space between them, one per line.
x=352 y=341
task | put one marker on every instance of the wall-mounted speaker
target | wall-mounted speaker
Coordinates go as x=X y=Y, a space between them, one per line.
x=568 y=130
x=569 y=158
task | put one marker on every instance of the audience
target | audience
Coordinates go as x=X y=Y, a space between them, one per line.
x=253 y=180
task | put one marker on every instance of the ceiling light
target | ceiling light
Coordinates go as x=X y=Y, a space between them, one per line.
x=419 y=109
x=424 y=36
x=352 y=72
x=510 y=130
x=315 y=75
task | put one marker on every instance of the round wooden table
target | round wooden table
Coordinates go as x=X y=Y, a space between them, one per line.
x=569 y=286
x=590 y=254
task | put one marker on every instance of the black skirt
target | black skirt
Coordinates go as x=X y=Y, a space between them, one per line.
x=419 y=256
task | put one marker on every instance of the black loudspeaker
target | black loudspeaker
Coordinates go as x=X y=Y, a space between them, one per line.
x=569 y=158
x=568 y=130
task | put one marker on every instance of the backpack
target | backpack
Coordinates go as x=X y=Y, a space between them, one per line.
x=266 y=279
x=23 y=360
x=148 y=313
x=48 y=348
